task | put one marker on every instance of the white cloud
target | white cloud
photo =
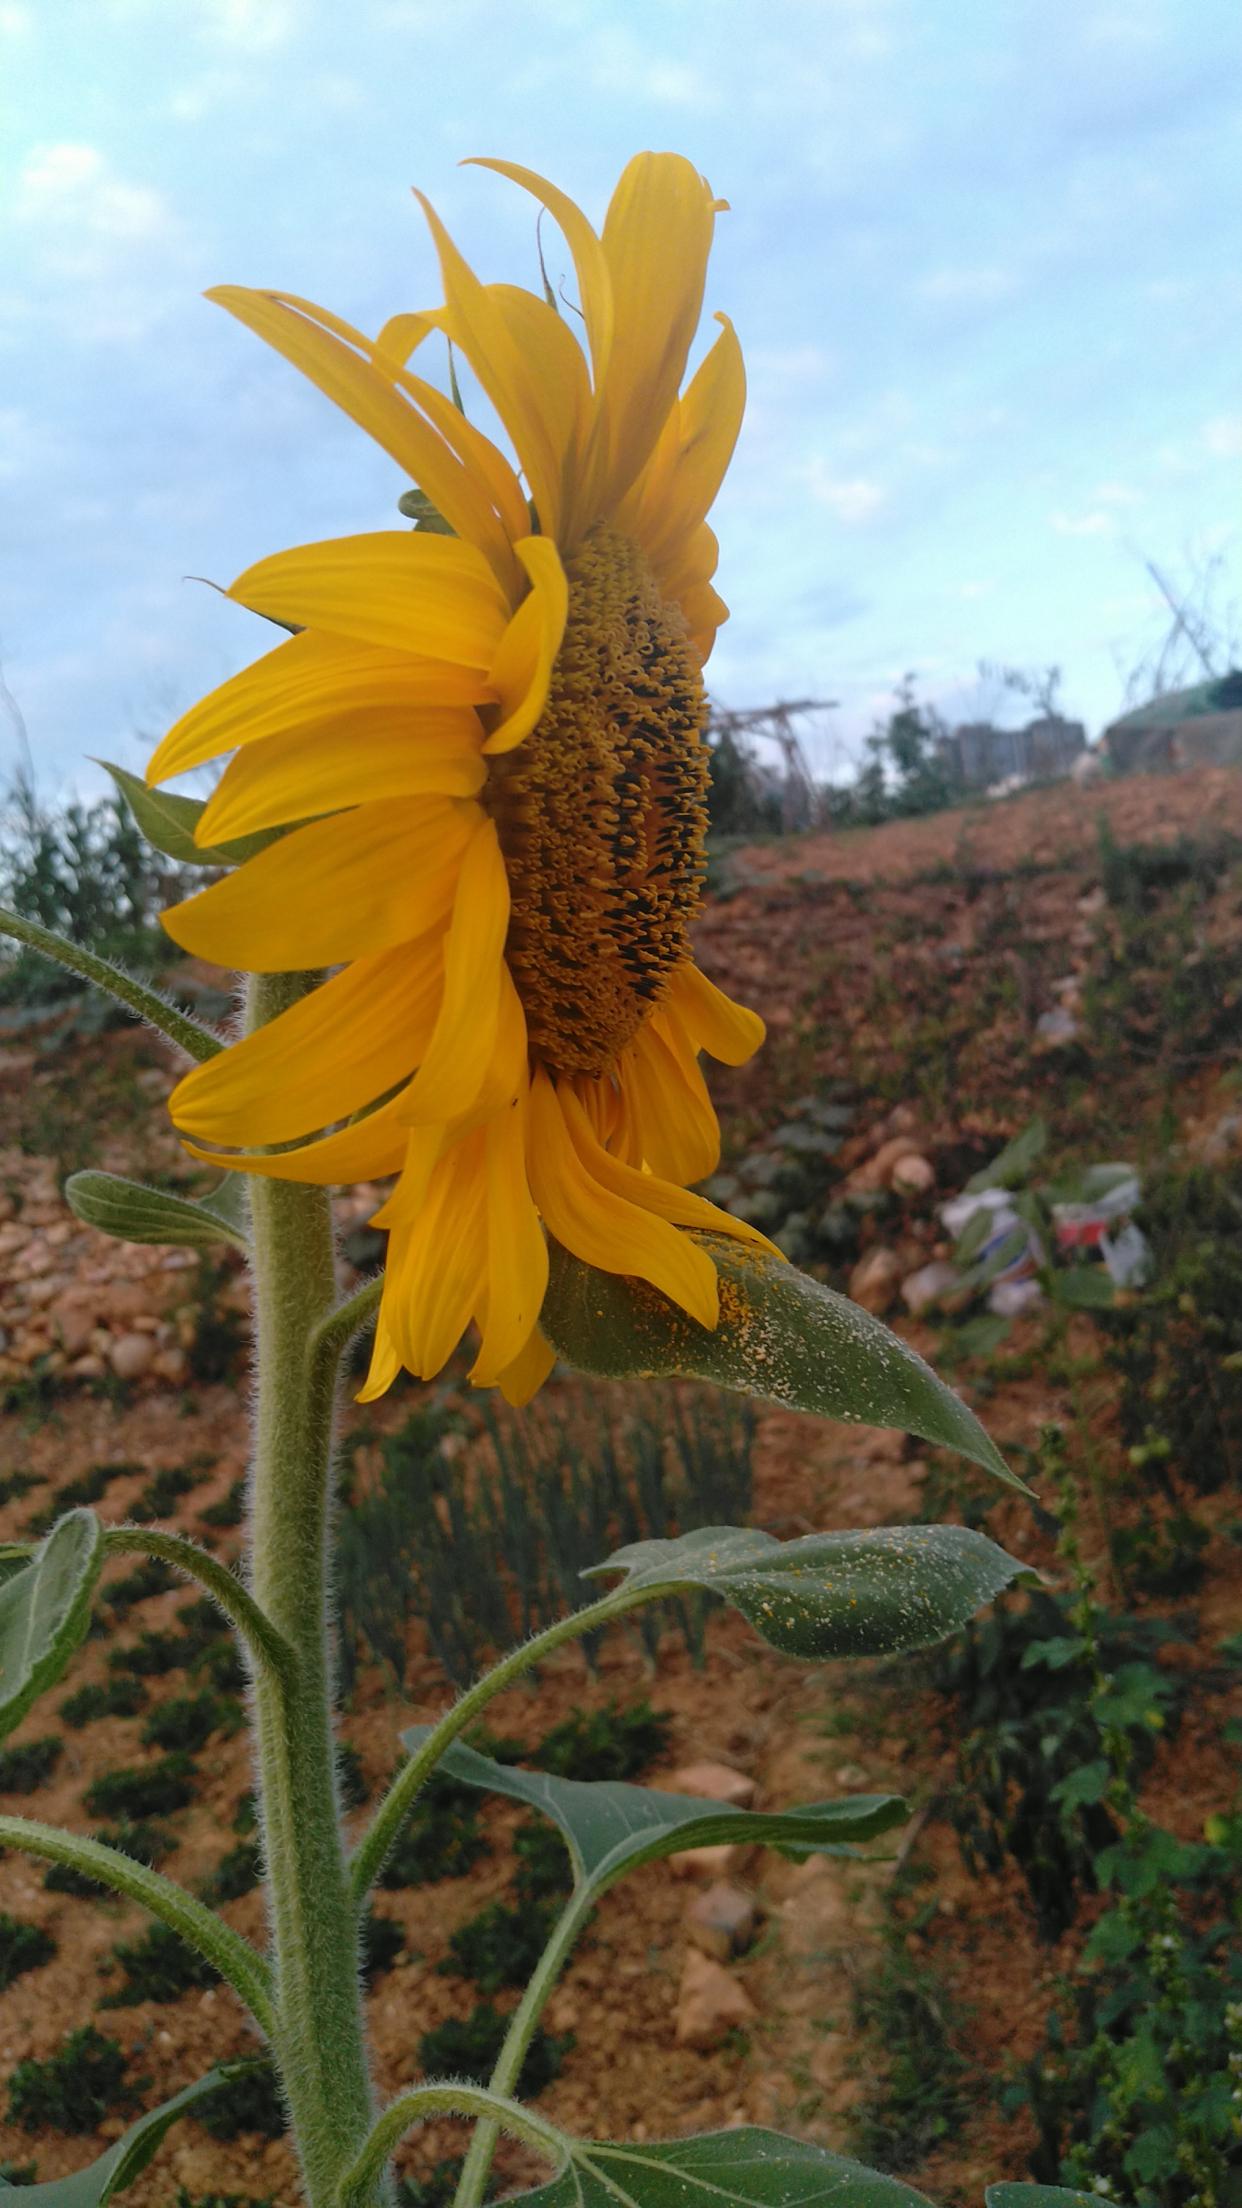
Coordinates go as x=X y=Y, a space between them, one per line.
x=251 y=26
x=1117 y=496
x=852 y=499
x=1223 y=437
x=972 y=591
x=1095 y=523
x=16 y=21
x=72 y=189
x=966 y=286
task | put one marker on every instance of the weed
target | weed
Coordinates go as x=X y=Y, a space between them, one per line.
x=16 y=1484
x=433 y=2190
x=219 y=1331
x=468 y=2050
x=544 y=1872
x=355 y=1791
x=221 y=2200
x=18 y=2173
x=189 y=1720
x=249 y=2102
x=151 y=1655
x=163 y=1492
x=24 y=1769
x=158 y=1967
x=74 y=2090
x=117 y=1697
x=22 y=1947
x=230 y=1510
x=152 y=1577
x=145 y=1843
x=382 y=1941
x=442 y=1838
x=612 y=1743
x=237 y=1873
x=146 y=1790
x=224 y=1665
x=919 y=2098
x=498 y=1947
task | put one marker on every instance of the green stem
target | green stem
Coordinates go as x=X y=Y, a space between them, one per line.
x=319 y=2039
x=239 y=1606
x=446 y=2100
x=523 y=2025
x=382 y=1833
x=146 y=1004
x=334 y=1334
x=199 y=1926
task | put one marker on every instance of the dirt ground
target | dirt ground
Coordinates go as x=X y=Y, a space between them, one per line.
x=794 y=935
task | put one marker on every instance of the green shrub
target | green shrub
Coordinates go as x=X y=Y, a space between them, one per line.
x=382 y=1941
x=469 y=2050
x=225 y=1667
x=80 y=1494
x=433 y=2190
x=189 y=1720
x=500 y=1946
x=612 y=1743
x=74 y=2090
x=163 y=1492
x=22 y=1947
x=442 y=1838
x=15 y=1484
x=152 y=1577
x=24 y=1769
x=230 y=1510
x=916 y=2095
x=117 y=1697
x=355 y=1793
x=145 y=1790
x=221 y=2200
x=249 y=2102
x=158 y=1966
x=18 y=2173
x=237 y=1873
x=544 y=1872
x=219 y=1331
x=151 y=1655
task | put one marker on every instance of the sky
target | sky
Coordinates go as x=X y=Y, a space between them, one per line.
x=984 y=257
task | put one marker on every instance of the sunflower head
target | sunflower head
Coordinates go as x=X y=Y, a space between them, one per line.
x=484 y=751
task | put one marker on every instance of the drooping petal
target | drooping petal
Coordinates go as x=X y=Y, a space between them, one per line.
x=676 y=1123
x=340 y=361
x=306 y=681
x=358 y=759
x=338 y=889
x=598 y=1225
x=725 y=1030
x=679 y=485
x=647 y=1191
x=590 y=264
x=349 y=1041
x=404 y=590
x=517 y=1254
x=452 y=1072
x=530 y=1368
x=366 y=1150
x=437 y=1268
x=521 y=672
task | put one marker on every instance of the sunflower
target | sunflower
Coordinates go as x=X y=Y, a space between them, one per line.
x=484 y=746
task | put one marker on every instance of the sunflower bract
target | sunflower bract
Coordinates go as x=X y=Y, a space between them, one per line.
x=486 y=749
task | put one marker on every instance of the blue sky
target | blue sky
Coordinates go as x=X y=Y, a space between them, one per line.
x=985 y=258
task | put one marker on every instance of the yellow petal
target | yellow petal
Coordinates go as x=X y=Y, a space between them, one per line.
x=405 y=590
x=308 y=680
x=725 y=1030
x=681 y=480
x=646 y=1190
x=437 y=1268
x=677 y=1126
x=451 y=1075
x=530 y=1368
x=334 y=1051
x=521 y=672
x=590 y=265
x=657 y=237
x=598 y=1225
x=338 y=889
x=385 y=1363
x=365 y=1151
x=527 y=362
x=517 y=1254
x=401 y=335
x=358 y=759
x=341 y=362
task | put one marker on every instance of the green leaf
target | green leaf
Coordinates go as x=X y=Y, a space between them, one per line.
x=973 y=1235
x=1082 y=1288
x=168 y=822
x=1038 y=2196
x=746 y=2168
x=611 y=1828
x=44 y=1611
x=100 y=2181
x=780 y=1335
x=132 y=1212
x=417 y=507
x=832 y=1594
x=1012 y=1168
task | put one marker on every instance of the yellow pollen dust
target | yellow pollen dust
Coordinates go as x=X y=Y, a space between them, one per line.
x=602 y=814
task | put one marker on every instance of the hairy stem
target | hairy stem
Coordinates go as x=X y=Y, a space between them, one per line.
x=523 y=2025
x=193 y=1922
x=452 y=2099
x=239 y=1606
x=146 y=1004
x=319 y=2039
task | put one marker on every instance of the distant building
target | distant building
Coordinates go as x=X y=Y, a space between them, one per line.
x=980 y=755
x=1201 y=726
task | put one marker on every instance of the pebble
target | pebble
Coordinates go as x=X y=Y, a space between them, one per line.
x=913 y=1174
x=710 y=1863
x=131 y=1355
x=716 y=1782
x=876 y=1279
x=710 y=2004
x=930 y=1285
x=722 y=1920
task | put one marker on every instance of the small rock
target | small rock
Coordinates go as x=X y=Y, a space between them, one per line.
x=929 y=1286
x=721 y=1921
x=171 y=1365
x=1055 y=1028
x=89 y=1367
x=876 y=1172
x=913 y=1174
x=710 y=1863
x=875 y=1280
x=710 y=2004
x=716 y=1782
x=131 y=1355
x=73 y=1315
x=851 y=1774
